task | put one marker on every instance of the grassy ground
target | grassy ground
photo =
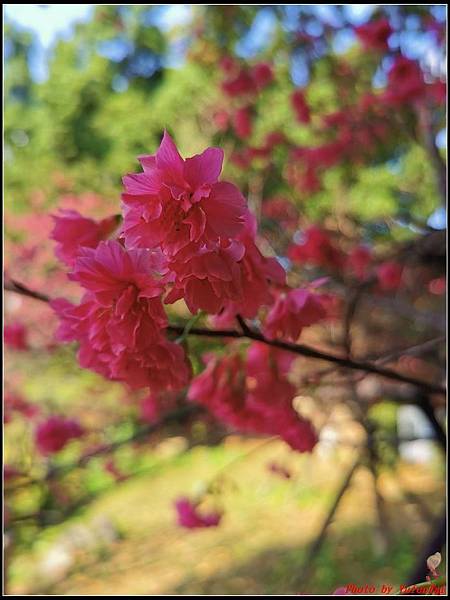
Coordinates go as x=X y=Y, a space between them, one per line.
x=260 y=546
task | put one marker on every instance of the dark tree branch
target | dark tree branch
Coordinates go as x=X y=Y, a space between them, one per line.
x=428 y=136
x=243 y=325
x=14 y=286
x=349 y=317
x=434 y=544
x=424 y=402
x=300 y=349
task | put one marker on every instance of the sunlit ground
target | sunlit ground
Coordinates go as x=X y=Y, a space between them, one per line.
x=127 y=542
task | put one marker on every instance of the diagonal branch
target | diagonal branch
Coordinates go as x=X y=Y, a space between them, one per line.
x=14 y=286
x=317 y=544
x=300 y=349
x=178 y=415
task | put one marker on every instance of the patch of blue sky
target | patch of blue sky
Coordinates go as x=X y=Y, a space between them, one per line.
x=441 y=139
x=166 y=18
x=290 y=17
x=54 y=21
x=116 y=49
x=314 y=28
x=394 y=166
x=359 y=13
x=119 y=84
x=439 y=11
x=343 y=40
x=171 y=15
x=259 y=36
x=327 y=13
x=48 y=22
x=438 y=220
x=299 y=69
x=176 y=54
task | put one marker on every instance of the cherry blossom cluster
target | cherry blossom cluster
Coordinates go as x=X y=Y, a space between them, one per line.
x=201 y=229
x=254 y=395
x=243 y=85
x=350 y=134
x=317 y=248
x=120 y=322
x=185 y=235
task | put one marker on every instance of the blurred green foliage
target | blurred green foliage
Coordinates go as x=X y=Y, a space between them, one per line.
x=109 y=94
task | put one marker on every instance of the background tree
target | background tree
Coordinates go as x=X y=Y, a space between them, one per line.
x=332 y=129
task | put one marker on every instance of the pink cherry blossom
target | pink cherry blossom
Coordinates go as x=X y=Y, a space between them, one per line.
x=259 y=275
x=124 y=278
x=176 y=202
x=239 y=82
x=152 y=360
x=300 y=107
x=242 y=123
x=15 y=336
x=14 y=403
x=53 y=434
x=149 y=409
x=317 y=249
x=72 y=231
x=375 y=35
x=389 y=275
x=10 y=472
x=270 y=396
x=189 y=516
x=207 y=279
x=120 y=320
x=254 y=396
x=292 y=312
x=267 y=369
x=262 y=75
x=405 y=82
x=438 y=286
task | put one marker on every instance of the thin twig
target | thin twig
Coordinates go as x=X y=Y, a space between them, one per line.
x=316 y=546
x=245 y=328
x=350 y=316
x=14 y=286
x=416 y=349
x=175 y=416
x=428 y=137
